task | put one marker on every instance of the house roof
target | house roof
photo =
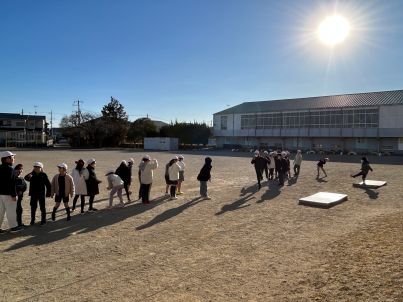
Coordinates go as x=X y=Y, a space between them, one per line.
x=367 y=99
x=18 y=116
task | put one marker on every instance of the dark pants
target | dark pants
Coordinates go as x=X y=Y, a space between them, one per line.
x=34 y=206
x=266 y=172
x=126 y=187
x=271 y=173
x=82 y=198
x=91 y=202
x=364 y=175
x=259 y=175
x=145 y=193
x=297 y=169
x=19 y=210
x=281 y=175
x=172 y=190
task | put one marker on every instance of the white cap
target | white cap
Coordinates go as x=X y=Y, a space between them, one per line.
x=62 y=165
x=6 y=154
x=298 y=151
x=257 y=152
x=283 y=154
x=147 y=157
x=265 y=152
x=90 y=161
x=38 y=164
x=124 y=162
x=110 y=171
x=131 y=160
x=180 y=157
x=175 y=157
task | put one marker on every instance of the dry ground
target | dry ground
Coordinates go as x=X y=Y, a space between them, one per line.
x=243 y=245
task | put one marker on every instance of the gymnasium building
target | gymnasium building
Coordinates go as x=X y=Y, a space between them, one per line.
x=361 y=122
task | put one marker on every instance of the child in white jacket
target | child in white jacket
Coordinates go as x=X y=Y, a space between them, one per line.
x=115 y=184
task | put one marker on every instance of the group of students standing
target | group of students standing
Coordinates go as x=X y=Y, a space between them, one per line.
x=82 y=182
x=275 y=165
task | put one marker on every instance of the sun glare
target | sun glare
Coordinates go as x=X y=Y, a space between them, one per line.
x=333 y=30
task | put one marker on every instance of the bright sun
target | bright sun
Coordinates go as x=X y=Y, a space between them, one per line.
x=333 y=30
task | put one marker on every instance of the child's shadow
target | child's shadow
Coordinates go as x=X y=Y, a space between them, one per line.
x=272 y=192
x=246 y=195
x=371 y=193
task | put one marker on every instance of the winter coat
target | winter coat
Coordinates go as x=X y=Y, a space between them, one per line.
x=125 y=173
x=181 y=165
x=79 y=178
x=365 y=167
x=259 y=162
x=114 y=181
x=68 y=186
x=173 y=172
x=298 y=159
x=204 y=174
x=7 y=180
x=146 y=171
x=282 y=165
x=39 y=184
x=20 y=185
x=272 y=163
x=92 y=182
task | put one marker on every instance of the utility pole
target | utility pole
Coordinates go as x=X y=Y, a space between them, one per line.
x=51 y=124
x=77 y=103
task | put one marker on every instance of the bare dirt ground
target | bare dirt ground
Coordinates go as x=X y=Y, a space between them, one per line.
x=243 y=245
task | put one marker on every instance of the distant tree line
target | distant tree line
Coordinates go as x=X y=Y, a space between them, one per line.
x=112 y=128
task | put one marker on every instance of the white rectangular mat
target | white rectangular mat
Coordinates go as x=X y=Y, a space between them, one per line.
x=323 y=199
x=374 y=184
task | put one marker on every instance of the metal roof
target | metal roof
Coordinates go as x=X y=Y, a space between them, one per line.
x=17 y=116
x=367 y=99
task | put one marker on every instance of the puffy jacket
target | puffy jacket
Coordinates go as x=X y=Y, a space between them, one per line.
x=146 y=171
x=79 y=178
x=173 y=172
x=7 y=180
x=114 y=181
x=39 y=184
x=68 y=186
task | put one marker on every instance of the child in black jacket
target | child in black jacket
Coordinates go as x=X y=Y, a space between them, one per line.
x=205 y=176
x=20 y=187
x=39 y=188
x=365 y=168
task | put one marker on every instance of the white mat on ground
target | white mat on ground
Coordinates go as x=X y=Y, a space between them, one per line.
x=323 y=199
x=374 y=184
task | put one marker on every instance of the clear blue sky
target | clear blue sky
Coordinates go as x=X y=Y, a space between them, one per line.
x=187 y=59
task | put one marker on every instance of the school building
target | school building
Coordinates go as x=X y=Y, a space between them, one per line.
x=361 y=122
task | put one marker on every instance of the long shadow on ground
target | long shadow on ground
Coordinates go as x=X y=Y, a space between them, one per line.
x=272 y=192
x=79 y=224
x=170 y=213
x=246 y=195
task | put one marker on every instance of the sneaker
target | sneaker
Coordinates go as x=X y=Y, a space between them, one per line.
x=43 y=223
x=68 y=218
x=108 y=207
x=207 y=198
x=15 y=229
x=179 y=193
x=72 y=210
x=120 y=205
x=2 y=231
x=94 y=209
x=32 y=222
x=173 y=198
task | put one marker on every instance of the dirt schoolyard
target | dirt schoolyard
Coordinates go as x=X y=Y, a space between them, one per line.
x=243 y=245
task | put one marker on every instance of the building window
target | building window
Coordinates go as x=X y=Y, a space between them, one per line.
x=224 y=120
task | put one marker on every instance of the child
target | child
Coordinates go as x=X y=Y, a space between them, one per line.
x=92 y=183
x=272 y=165
x=282 y=167
x=123 y=171
x=365 y=168
x=115 y=184
x=204 y=176
x=182 y=166
x=266 y=167
x=39 y=188
x=297 y=162
x=146 y=176
x=259 y=162
x=21 y=187
x=80 y=175
x=320 y=166
x=166 y=176
x=62 y=187
x=173 y=172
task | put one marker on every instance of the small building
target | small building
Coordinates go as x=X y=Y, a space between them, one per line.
x=360 y=122
x=22 y=130
x=161 y=143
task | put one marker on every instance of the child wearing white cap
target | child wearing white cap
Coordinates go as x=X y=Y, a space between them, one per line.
x=146 y=176
x=8 y=191
x=39 y=189
x=115 y=184
x=80 y=176
x=182 y=166
x=62 y=187
x=173 y=173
